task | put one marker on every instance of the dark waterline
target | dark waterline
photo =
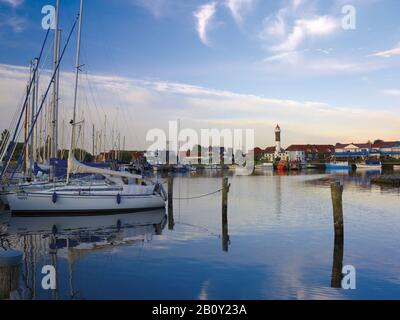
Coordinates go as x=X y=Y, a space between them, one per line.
x=281 y=243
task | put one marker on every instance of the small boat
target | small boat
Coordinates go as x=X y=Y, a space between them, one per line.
x=369 y=165
x=338 y=166
x=244 y=171
x=266 y=165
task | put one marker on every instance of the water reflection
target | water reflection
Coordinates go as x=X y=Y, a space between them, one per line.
x=44 y=240
x=281 y=229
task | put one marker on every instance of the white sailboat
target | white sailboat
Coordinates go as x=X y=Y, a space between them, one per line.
x=370 y=165
x=85 y=199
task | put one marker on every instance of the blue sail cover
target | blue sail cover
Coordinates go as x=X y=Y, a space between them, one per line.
x=61 y=167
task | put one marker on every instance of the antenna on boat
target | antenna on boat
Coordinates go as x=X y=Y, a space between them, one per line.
x=78 y=50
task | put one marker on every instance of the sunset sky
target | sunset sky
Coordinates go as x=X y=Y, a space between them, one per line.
x=222 y=63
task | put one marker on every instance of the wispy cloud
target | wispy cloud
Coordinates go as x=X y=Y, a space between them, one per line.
x=318 y=62
x=202 y=107
x=289 y=29
x=155 y=7
x=12 y=3
x=303 y=28
x=238 y=8
x=392 y=92
x=388 y=53
x=17 y=24
x=204 y=16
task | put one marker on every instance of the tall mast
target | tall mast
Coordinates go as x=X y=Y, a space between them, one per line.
x=93 y=141
x=77 y=65
x=35 y=132
x=26 y=128
x=105 y=137
x=33 y=114
x=56 y=54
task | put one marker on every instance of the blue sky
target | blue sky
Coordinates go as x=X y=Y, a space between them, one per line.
x=291 y=53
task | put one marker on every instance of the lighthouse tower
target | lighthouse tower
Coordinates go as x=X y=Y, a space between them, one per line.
x=278 y=139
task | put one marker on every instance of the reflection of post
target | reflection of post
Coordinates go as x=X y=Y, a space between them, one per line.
x=171 y=222
x=337 y=267
x=53 y=257
x=158 y=229
x=337 y=203
x=225 y=235
x=10 y=262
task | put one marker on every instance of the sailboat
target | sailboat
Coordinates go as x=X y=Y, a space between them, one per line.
x=370 y=165
x=121 y=192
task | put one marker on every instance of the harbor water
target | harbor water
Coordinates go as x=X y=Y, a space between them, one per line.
x=280 y=244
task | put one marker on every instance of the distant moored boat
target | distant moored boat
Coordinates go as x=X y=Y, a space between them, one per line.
x=338 y=166
x=370 y=165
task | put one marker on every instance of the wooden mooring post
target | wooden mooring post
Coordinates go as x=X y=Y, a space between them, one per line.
x=337 y=202
x=337 y=266
x=10 y=262
x=225 y=234
x=171 y=222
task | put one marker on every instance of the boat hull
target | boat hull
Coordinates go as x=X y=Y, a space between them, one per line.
x=368 y=167
x=329 y=166
x=65 y=204
x=3 y=198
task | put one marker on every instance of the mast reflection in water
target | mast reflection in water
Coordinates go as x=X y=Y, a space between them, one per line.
x=47 y=240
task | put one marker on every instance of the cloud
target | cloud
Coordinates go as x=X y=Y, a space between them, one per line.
x=392 y=92
x=317 y=62
x=199 y=107
x=12 y=3
x=204 y=16
x=155 y=7
x=388 y=53
x=238 y=8
x=303 y=28
x=17 y=24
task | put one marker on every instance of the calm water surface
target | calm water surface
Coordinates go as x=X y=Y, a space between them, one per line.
x=281 y=243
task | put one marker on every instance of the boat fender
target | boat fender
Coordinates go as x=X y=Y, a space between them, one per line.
x=54 y=198
x=118 y=198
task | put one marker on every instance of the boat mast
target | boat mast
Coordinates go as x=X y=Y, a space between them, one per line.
x=78 y=50
x=56 y=54
x=93 y=140
x=26 y=129
x=33 y=114
x=35 y=132
x=105 y=137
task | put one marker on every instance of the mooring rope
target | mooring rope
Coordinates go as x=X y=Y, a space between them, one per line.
x=200 y=196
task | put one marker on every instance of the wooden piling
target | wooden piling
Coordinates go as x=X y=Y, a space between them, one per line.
x=337 y=266
x=337 y=203
x=10 y=262
x=171 y=222
x=225 y=235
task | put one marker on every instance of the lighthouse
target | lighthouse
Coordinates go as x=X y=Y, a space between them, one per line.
x=278 y=139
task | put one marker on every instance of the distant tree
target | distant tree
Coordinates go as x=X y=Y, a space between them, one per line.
x=126 y=157
x=18 y=151
x=4 y=136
